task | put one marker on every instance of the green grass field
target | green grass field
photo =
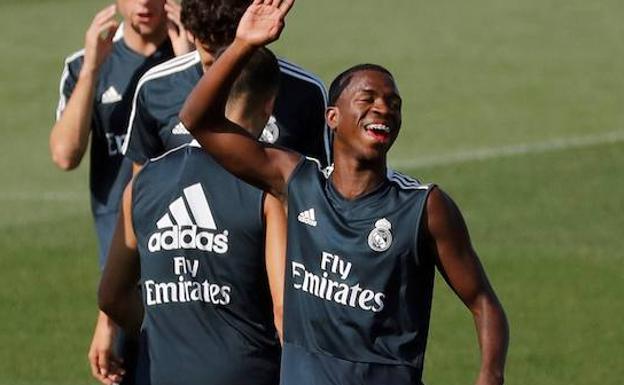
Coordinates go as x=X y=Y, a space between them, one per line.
x=514 y=108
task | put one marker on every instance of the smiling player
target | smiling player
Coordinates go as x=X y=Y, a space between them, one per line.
x=363 y=241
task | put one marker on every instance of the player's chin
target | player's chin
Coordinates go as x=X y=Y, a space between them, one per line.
x=147 y=27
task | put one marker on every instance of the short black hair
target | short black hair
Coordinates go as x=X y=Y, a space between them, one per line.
x=213 y=22
x=259 y=78
x=344 y=78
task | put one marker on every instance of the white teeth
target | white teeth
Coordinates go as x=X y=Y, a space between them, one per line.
x=378 y=127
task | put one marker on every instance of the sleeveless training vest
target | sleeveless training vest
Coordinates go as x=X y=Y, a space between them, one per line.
x=357 y=292
x=208 y=311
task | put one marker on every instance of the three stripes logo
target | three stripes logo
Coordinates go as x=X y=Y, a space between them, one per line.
x=110 y=96
x=308 y=217
x=180 y=231
x=179 y=129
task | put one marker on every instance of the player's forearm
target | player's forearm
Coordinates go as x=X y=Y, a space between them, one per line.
x=70 y=134
x=493 y=334
x=126 y=309
x=204 y=109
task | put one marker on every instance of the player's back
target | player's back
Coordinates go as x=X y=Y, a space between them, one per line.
x=208 y=311
x=358 y=289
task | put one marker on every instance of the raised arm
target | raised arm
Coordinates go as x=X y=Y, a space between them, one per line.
x=203 y=113
x=70 y=134
x=275 y=255
x=459 y=264
x=118 y=295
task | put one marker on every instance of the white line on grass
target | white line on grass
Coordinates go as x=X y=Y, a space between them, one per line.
x=443 y=159
x=48 y=196
x=506 y=151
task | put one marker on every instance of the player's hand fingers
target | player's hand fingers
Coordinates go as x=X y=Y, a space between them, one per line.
x=93 y=361
x=97 y=25
x=107 y=30
x=285 y=6
x=103 y=362
x=116 y=371
x=95 y=368
x=105 y=14
x=173 y=13
x=172 y=30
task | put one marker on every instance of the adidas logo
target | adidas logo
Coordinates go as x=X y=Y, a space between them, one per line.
x=180 y=231
x=111 y=96
x=308 y=217
x=179 y=129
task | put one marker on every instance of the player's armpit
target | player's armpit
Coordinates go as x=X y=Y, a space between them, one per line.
x=275 y=254
x=448 y=240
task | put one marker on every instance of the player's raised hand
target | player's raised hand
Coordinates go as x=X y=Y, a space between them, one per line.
x=263 y=21
x=175 y=28
x=99 y=38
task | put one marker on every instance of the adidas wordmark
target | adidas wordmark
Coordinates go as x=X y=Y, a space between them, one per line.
x=179 y=231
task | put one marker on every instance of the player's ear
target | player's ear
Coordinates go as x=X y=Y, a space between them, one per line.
x=269 y=105
x=332 y=115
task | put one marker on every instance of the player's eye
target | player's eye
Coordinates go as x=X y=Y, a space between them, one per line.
x=394 y=104
x=366 y=99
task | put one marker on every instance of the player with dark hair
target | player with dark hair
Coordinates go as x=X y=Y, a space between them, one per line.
x=96 y=90
x=195 y=236
x=363 y=240
x=297 y=121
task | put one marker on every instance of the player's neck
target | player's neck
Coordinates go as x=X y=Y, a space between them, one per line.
x=353 y=178
x=251 y=121
x=144 y=45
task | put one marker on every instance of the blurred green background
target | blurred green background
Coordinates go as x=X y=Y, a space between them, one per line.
x=514 y=108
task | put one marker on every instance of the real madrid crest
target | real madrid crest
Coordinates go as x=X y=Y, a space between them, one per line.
x=380 y=238
x=271 y=131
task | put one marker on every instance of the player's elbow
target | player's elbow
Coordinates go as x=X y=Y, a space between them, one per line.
x=64 y=158
x=107 y=301
x=487 y=308
x=65 y=164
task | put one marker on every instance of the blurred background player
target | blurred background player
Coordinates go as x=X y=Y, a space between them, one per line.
x=297 y=122
x=363 y=240
x=96 y=90
x=194 y=236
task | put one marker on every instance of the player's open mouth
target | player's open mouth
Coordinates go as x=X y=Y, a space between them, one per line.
x=379 y=131
x=144 y=16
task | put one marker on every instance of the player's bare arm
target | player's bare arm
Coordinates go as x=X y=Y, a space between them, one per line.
x=459 y=264
x=70 y=135
x=118 y=296
x=106 y=367
x=275 y=255
x=175 y=29
x=203 y=113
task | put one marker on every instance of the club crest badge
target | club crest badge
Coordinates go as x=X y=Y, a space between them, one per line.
x=271 y=131
x=380 y=238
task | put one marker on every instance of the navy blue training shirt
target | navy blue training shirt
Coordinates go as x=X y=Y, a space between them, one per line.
x=297 y=123
x=117 y=80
